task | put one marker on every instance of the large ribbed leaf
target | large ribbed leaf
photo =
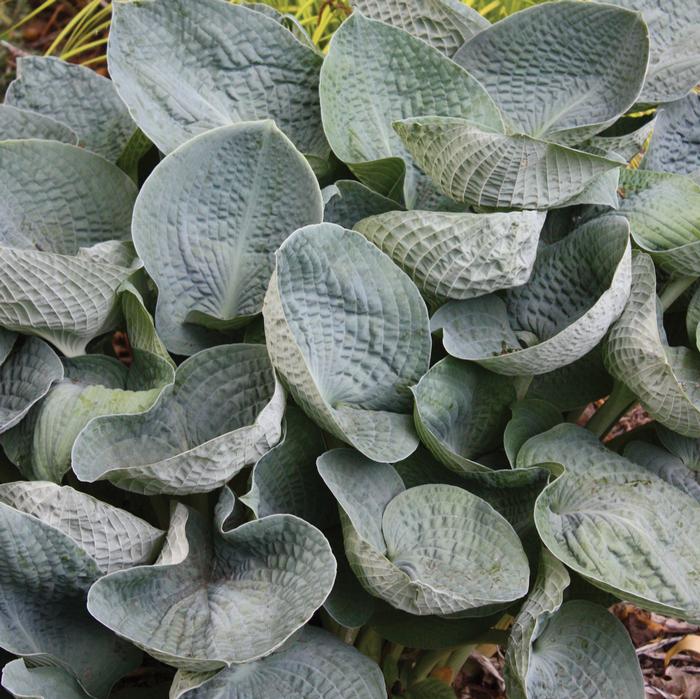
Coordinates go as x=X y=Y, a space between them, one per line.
x=183 y=69
x=59 y=272
x=578 y=287
x=285 y=479
x=216 y=598
x=674 y=29
x=625 y=138
x=458 y=255
x=675 y=145
x=375 y=74
x=26 y=377
x=492 y=168
x=461 y=411
x=346 y=202
x=313 y=663
x=55 y=543
x=348 y=333
x=208 y=221
x=76 y=96
x=40 y=682
x=432 y=549
x=223 y=412
x=91 y=385
x=665 y=379
x=626 y=530
x=444 y=24
x=585 y=62
x=18 y=123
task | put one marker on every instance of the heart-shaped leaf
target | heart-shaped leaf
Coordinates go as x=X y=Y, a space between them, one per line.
x=40 y=682
x=348 y=333
x=208 y=237
x=223 y=412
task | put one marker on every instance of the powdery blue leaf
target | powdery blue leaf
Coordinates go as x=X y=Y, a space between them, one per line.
x=375 y=74
x=18 y=123
x=214 y=599
x=61 y=207
x=458 y=255
x=346 y=202
x=314 y=662
x=183 y=70
x=625 y=138
x=223 y=412
x=585 y=62
x=579 y=286
x=25 y=377
x=76 y=96
x=89 y=386
x=530 y=417
x=460 y=412
x=40 y=682
x=637 y=353
x=347 y=331
x=208 y=221
x=624 y=529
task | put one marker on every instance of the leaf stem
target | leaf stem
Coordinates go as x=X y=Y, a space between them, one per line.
x=608 y=414
x=428 y=662
x=344 y=633
x=674 y=289
x=369 y=642
x=390 y=664
x=458 y=657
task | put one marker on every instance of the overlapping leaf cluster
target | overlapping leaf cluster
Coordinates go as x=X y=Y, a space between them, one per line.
x=384 y=283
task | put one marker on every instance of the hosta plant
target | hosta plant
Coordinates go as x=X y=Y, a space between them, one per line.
x=296 y=349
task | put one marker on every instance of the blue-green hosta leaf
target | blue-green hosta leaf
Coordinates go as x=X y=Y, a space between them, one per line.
x=686 y=449
x=585 y=62
x=626 y=144
x=26 y=377
x=18 y=123
x=215 y=598
x=579 y=286
x=184 y=69
x=91 y=386
x=530 y=417
x=375 y=74
x=76 y=96
x=444 y=24
x=460 y=412
x=626 y=530
x=60 y=272
x=55 y=543
x=208 y=221
x=223 y=412
x=675 y=145
x=636 y=352
x=285 y=479
x=458 y=255
x=674 y=32
x=312 y=663
x=7 y=342
x=40 y=682
x=429 y=550
x=348 y=201
x=491 y=168
x=692 y=319
x=348 y=333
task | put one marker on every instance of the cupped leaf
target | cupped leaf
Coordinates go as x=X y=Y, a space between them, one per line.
x=579 y=286
x=208 y=221
x=585 y=62
x=312 y=663
x=26 y=377
x=346 y=202
x=674 y=32
x=675 y=145
x=460 y=412
x=285 y=479
x=55 y=543
x=40 y=682
x=637 y=353
x=458 y=255
x=625 y=138
x=530 y=417
x=213 y=65
x=18 y=123
x=444 y=24
x=60 y=273
x=375 y=74
x=429 y=550
x=687 y=450
x=90 y=386
x=215 y=598
x=348 y=333
x=488 y=167
x=76 y=96
x=223 y=412
x=624 y=529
